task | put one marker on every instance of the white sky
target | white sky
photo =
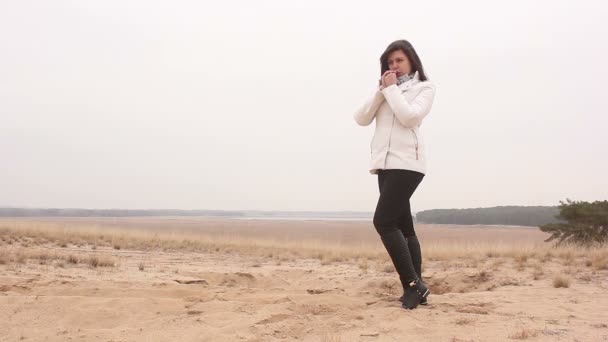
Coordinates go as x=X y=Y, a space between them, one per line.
x=248 y=104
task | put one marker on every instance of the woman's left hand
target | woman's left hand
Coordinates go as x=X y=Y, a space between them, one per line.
x=390 y=79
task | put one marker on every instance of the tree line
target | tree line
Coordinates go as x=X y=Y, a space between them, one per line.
x=504 y=215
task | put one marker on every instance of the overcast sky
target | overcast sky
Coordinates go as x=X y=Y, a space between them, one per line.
x=249 y=104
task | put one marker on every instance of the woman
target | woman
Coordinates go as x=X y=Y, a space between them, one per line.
x=403 y=99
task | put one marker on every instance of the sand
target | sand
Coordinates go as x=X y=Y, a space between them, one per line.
x=228 y=295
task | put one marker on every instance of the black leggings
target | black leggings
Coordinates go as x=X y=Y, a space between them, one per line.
x=393 y=211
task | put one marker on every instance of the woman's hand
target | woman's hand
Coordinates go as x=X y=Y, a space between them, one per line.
x=389 y=78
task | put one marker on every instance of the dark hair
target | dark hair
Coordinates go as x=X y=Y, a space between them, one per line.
x=409 y=51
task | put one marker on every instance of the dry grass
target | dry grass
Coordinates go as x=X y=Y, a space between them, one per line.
x=480 y=251
x=283 y=251
x=567 y=256
x=390 y=286
x=495 y=265
x=464 y=321
x=522 y=256
x=561 y=281
x=599 y=260
x=326 y=257
x=364 y=265
x=482 y=277
x=72 y=259
x=524 y=334
x=25 y=234
x=387 y=268
x=538 y=272
x=22 y=255
x=101 y=261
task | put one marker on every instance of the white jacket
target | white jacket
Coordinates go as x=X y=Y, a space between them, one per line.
x=398 y=110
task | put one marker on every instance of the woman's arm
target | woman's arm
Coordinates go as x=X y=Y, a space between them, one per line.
x=410 y=114
x=366 y=113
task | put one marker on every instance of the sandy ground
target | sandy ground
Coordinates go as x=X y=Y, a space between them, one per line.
x=229 y=296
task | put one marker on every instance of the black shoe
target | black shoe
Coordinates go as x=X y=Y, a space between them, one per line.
x=415 y=294
x=423 y=301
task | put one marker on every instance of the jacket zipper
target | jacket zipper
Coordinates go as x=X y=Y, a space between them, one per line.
x=416 y=142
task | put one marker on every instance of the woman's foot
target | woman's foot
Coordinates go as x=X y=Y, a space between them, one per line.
x=416 y=293
x=423 y=301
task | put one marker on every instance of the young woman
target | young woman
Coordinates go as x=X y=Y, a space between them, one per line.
x=403 y=99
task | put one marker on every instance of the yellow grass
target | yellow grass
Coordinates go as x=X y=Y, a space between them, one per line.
x=561 y=281
x=524 y=334
x=598 y=259
x=38 y=234
x=21 y=255
x=464 y=321
x=15 y=234
x=538 y=271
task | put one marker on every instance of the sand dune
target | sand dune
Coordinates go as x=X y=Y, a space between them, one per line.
x=54 y=293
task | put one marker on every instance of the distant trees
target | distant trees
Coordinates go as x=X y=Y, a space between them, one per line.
x=505 y=215
x=586 y=223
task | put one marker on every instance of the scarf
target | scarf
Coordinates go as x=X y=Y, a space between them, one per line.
x=404 y=78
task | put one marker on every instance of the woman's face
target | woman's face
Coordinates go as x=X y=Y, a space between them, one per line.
x=398 y=61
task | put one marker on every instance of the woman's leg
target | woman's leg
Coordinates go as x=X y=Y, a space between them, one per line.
x=406 y=225
x=396 y=187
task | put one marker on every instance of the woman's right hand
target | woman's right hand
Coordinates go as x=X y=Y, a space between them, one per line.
x=382 y=81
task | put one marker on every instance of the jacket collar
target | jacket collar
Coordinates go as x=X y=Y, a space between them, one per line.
x=413 y=80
